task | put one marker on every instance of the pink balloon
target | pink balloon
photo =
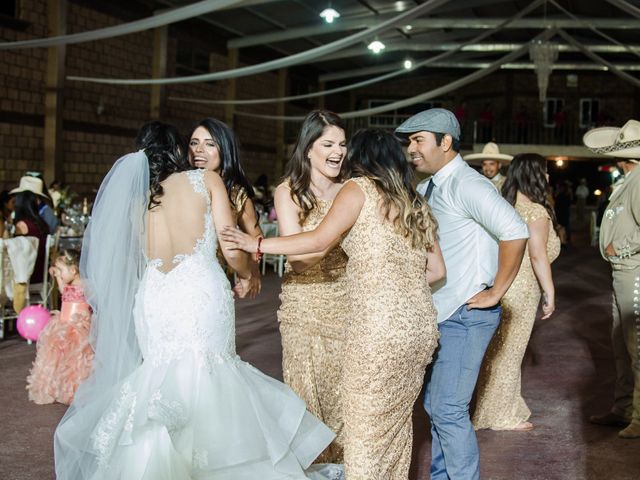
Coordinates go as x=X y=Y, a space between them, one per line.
x=31 y=321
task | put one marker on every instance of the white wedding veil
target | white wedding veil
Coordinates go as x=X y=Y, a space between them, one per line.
x=111 y=266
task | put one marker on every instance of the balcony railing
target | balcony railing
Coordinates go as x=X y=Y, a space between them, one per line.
x=475 y=132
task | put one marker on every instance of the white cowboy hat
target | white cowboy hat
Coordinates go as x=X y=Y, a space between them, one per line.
x=615 y=142
x=30 y=184
x=489 y=152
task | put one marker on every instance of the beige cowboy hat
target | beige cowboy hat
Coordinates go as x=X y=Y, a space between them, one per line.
x=615 y=142
x=489 y=152
x=30 y=184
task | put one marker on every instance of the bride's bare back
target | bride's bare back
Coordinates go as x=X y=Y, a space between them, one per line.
x=176 y=225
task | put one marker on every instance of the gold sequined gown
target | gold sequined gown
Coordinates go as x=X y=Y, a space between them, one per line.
x=391 y=336
x=312 y=320
x=499 y=402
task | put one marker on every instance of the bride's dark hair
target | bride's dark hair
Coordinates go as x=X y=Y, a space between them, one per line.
x=166 y=150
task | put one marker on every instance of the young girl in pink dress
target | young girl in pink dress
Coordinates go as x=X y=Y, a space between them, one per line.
x=64 y=356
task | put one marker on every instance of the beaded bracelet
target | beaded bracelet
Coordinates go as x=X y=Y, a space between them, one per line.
x=258 y=252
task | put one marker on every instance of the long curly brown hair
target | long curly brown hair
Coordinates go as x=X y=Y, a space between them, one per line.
x=527 y=174
x=377 y=154
x=298 y=169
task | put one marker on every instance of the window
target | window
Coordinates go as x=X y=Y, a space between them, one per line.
x=589 y=112
x=552 y=111
x=9 y=8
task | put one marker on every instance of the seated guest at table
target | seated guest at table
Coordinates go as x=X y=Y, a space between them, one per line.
x=36 y=186
x=27 y=222
x=55 y=192
x=213 y=146
x=64 y=355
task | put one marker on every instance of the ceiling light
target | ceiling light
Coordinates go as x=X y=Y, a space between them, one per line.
x=408 y=28
x=408 y=64
x=329 y=14
x=376 y=46
x=559 y=163
x=400 y=6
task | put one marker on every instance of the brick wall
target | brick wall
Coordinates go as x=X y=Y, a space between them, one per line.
x=100 y=121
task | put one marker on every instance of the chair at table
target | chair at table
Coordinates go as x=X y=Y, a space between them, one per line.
x=7 y=313
x=270 y=229
x=17 y=258
x=41 y=292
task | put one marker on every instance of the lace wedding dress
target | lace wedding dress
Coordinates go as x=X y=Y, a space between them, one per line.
x=193 y=409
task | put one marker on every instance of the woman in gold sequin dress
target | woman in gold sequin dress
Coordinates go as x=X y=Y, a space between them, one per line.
x=391 y=334
x=499 y=404
x=314 y=306
x=213 y=146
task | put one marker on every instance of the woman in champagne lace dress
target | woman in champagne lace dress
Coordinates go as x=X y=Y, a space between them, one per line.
x=314 y=306
x=499 y=404
x=391 y=331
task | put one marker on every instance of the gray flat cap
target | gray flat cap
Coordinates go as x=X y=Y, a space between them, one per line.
x=435 y=120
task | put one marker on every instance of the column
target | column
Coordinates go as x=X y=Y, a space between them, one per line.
x=280 y=111
x=322 y=85
x=53 y=98
x=232 y=62
x=159 y=70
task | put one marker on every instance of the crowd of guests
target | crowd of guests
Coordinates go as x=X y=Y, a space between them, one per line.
x=461 y=265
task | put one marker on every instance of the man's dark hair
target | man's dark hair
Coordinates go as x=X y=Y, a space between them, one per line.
x=455 y=143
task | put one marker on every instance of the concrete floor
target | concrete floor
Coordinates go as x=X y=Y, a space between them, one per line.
x=567 y=376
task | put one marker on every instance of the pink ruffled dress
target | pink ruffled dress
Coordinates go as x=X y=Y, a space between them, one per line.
x=63 y=355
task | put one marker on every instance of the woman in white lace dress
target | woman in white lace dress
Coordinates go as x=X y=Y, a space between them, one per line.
x=168 y=397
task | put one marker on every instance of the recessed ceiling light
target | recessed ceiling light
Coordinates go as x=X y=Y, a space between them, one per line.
x=400 y=6
x=408 y=64
x=376 y=46
x=408 y=28
x=329 y=14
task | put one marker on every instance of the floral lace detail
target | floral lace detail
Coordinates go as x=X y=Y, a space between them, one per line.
x=206 y=326
x=208 y=243
x=170 y=413
x=196 y=177
x=200 y=458
x=119 y=419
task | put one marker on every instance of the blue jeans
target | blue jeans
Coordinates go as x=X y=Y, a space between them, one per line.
x=450 y=382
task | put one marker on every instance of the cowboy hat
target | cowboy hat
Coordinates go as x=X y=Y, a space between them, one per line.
x=615 y=142
x=30 y=184
x=489 y=152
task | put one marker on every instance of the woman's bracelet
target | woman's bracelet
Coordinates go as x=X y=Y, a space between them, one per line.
x=258 y=252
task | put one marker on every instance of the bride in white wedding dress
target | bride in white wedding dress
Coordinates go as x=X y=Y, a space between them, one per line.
x=168 y=397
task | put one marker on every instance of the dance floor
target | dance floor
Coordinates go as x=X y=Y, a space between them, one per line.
x=568 y=372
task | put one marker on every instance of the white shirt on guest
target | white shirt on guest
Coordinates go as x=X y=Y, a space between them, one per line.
x=472 y=218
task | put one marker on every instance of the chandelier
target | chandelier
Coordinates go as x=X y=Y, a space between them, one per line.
x=543 y=54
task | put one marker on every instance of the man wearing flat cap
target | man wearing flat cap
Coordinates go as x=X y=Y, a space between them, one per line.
x=482 y=240
x=620 y=246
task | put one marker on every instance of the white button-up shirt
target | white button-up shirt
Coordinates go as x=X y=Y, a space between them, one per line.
x=472 y=219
